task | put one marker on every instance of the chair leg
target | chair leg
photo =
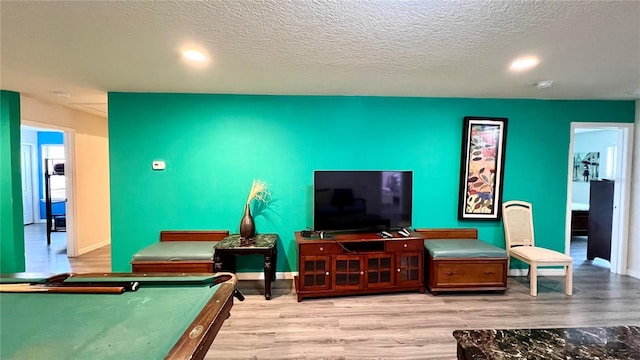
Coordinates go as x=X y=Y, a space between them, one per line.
x=569 y=280
x=533 y=279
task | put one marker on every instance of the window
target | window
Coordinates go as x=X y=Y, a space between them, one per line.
x=55 y=155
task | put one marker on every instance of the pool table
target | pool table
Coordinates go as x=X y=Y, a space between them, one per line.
x=172 y=316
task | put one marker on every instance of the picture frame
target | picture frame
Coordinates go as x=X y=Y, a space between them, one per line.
x=586 y=166
x=482 y=168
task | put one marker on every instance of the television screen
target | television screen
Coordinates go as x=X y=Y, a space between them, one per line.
x=362 y=200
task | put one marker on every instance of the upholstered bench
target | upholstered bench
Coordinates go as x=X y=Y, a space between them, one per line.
x=457 y=261
x=179 y=251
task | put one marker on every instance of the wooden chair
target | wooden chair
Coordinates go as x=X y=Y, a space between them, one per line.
x=518 y=231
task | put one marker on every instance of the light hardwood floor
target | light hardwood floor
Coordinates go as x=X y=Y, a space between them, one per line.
x=579 y=252
x=406 y=325
x=53 y=258
x=414 y=325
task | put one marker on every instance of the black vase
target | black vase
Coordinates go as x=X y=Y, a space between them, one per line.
x=247 y=226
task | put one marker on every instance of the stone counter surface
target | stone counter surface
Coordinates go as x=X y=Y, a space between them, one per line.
x=261 y=241
x=586 y=343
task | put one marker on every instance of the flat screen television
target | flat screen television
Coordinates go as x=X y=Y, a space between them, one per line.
x=362 y=200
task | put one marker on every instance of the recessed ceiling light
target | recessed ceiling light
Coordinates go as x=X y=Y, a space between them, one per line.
x=194 y=55
x=524 y=63
x=544 y=84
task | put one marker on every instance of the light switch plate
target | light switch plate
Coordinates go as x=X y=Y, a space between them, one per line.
x=158 y=165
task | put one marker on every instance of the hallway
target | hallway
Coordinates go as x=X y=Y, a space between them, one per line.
x=53 y=259
x=579 y=253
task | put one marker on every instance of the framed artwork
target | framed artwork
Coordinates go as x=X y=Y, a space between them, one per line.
x=482 y=167
x=586 y=166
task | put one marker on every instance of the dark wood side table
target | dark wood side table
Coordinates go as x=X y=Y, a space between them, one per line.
x=266 y=244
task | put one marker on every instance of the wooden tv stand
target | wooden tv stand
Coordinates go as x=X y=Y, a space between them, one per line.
x=361 y=263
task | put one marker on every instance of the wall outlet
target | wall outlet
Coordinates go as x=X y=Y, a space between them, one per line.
x=158 y=165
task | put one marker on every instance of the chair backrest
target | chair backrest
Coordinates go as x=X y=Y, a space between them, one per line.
x=517 y=217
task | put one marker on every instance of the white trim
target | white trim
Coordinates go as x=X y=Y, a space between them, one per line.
x=35 y=195
x=622 y=200
x=69 y=148
x=35 y=181
x=541 y=272
x=568 y=210
x=92 y=247
x=622 y=191
x=35 y=203
x=633 y=273
x=70 y=176
x=260 y=275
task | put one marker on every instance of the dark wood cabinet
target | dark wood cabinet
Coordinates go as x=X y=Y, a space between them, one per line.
x=379 y=270
x=409 y=268
x=467 y=274
x=348 y=272
x=349 y=264
x=600 y=219
x=579 y=222
x=316 y=272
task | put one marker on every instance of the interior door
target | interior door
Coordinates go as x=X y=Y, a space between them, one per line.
x=27 y=187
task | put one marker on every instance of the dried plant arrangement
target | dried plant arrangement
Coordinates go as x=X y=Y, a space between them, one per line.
x=259 y=191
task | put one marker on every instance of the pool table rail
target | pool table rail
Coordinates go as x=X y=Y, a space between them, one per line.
x=197 y=339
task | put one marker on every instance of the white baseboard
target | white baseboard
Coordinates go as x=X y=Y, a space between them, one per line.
x=634 y=273
x=541 y=272
x=290 y=275
x=93 y=247
x=260 y=275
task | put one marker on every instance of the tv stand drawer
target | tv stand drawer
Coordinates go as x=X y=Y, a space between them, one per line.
x=320 y=249
x=405 y=245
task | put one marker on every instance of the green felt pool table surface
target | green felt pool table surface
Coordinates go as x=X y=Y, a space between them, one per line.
x=143 y=324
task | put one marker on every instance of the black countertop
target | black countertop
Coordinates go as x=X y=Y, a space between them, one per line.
x=601 y=343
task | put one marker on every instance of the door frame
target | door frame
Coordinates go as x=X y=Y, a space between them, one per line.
x=29 y=168
x=621 y=196
x=70 y=181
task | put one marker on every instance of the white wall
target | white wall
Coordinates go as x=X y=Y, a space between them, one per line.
x=593 y=141
x=90 y=153
x=633 y=251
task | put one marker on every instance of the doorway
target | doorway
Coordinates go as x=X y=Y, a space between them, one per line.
x=599 y=193
x=47 y=244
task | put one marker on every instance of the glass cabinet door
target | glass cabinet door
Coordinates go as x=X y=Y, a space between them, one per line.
x=408 y=268
x=379 y=270
x=315 y=273
x=348 y=272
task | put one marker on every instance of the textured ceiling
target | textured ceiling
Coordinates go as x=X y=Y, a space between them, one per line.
x=590 y=49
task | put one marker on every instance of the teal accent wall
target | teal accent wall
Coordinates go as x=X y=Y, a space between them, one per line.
x=11 y=218
x=215 y=145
